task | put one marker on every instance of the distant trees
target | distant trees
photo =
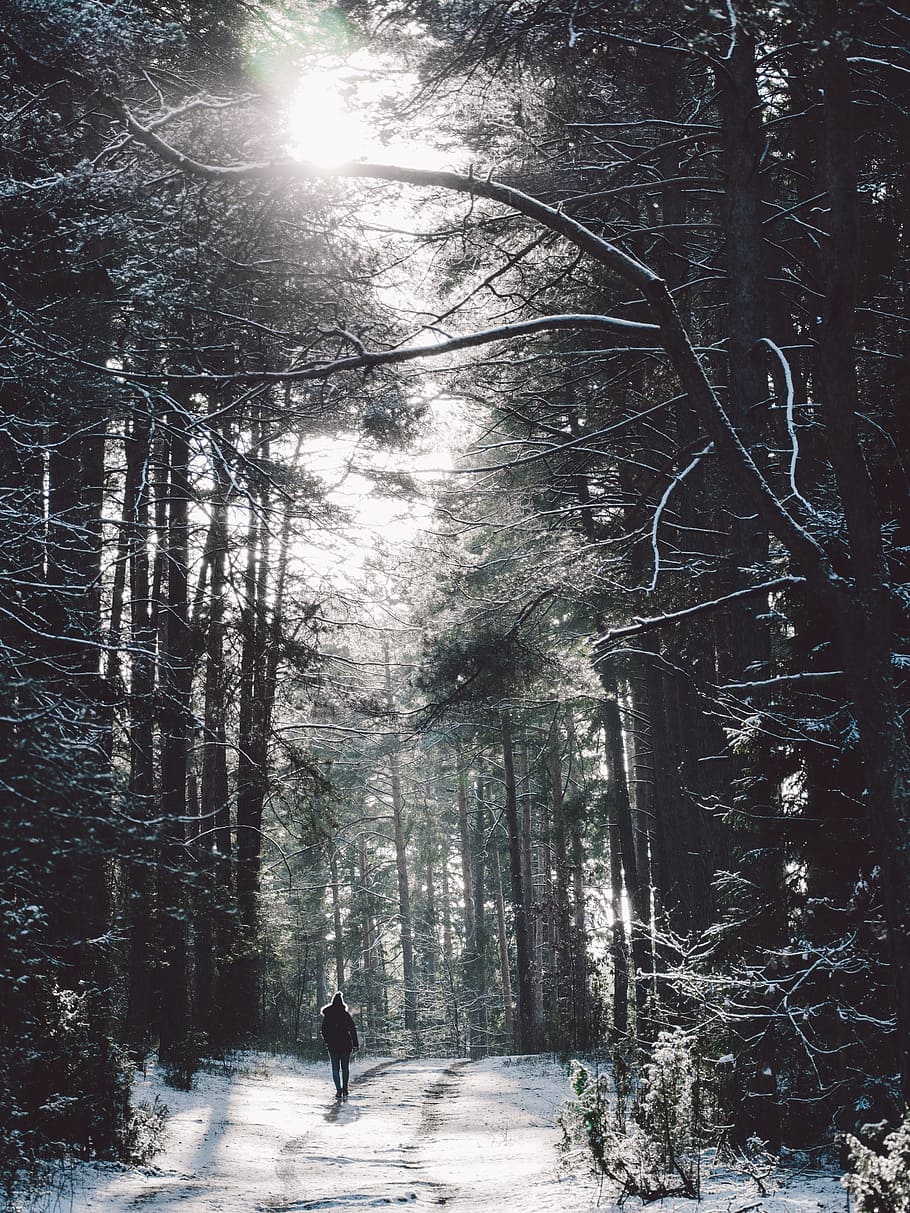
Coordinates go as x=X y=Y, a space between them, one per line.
x=779 y=308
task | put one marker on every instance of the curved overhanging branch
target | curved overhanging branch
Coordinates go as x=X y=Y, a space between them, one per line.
x=628 y=333
x=674 y=339
x=625 y=266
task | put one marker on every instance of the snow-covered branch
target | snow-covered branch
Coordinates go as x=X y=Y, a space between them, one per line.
x=651 y=624
x=805 y=677
x=791 y=424
x=662 y=505
x=623 y=264
x=628 y=334
x=673 y=336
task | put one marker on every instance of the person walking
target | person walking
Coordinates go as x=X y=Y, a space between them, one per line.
x=340 y=1036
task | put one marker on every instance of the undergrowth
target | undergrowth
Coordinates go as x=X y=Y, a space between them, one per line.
x=643 y=1133
x=879 y=1180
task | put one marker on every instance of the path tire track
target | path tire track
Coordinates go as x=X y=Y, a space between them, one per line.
x=290 y=1164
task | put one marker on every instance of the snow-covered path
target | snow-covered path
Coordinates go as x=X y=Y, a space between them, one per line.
x=469 y=1136
x=425 y=1133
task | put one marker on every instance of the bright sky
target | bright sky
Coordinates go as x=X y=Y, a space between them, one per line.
x=333 y=115
x=321 y=125
x=350 y=471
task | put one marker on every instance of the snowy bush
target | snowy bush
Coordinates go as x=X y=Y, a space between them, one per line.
x=144 y=1133
x=184 y=1060
x=880 y=1183
x=654 y=1151
x=64 y=1086
x=587 y=1117
x=670 y=1101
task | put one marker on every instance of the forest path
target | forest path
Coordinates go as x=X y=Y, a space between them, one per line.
x=365 y=1152
x=426 y=1133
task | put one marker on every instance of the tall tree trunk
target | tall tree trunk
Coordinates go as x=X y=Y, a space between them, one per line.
x=113 y=679
x=642 y=788
x=367 y=930
x=245 y=975
x=448 y=937
x=322 y=993
x=141 y=739
x=70 y=646
x=745 y=644
x=504 y=966
x=337 y=933
x=478 y=961
x=176 y=738
x=401 y=866
x=432 y=945
x=868 y=609
x=625 y=835
x=464 y=839
x=535 y=898
x=528 y=1033
x=619 y=955
x=577 y=872
x=215 y=926
x=526 y=801
x=262 y=620
x=565 y=951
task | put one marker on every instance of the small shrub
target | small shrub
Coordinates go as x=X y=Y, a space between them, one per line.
x=588 y=1115
x=880 y=1182
x=670 y=1107
x=184 y=1060
x=144 y=1135
x=649 y=1146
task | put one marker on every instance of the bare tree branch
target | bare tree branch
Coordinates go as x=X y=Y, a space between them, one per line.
x=661 y=621
x=612 y=326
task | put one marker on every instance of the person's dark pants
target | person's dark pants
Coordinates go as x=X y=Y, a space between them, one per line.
x=341 y=1064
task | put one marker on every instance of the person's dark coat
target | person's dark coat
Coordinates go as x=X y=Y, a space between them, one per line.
x=338 y=1029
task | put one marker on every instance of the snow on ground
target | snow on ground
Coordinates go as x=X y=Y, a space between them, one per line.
x=269 y=1137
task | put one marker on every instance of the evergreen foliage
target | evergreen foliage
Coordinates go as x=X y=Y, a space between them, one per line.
x=647 y=1135
x=879 y=1179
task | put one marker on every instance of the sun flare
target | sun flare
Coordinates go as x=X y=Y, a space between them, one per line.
x=321 y=126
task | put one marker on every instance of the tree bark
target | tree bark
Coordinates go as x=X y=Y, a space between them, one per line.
x=564 y=943
x=625 y=837
x=578 y=912
x=432 y=943
x=504 y=963
x=464 y=839
x=865 y=619
x=141 y=734
x=527 y=1034
x=213 y=933
x=337 y=933
x=401 y=865
x=176 y=739
x=245 y=975
x=448 y=940
x=478 y=967
x=619 y=952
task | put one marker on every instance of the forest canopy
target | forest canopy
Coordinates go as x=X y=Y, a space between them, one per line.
x=452 y=549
